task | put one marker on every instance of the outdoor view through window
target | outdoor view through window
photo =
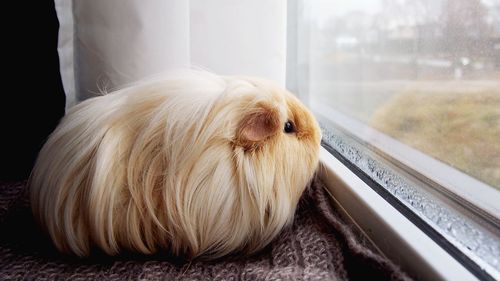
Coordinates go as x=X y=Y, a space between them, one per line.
x=424 y=72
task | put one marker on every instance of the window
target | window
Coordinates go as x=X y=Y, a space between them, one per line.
x=408 y=93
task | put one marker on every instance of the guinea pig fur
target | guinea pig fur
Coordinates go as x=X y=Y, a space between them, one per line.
x=193 y=163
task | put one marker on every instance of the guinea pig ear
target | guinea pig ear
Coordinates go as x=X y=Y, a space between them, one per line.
x=257 y=126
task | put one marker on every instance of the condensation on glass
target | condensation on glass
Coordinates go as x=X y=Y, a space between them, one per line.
x=478 y=243
x=425 y=72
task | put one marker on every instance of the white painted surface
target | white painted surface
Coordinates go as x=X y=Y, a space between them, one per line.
x=240 y=37
x=396 y=236
x=466 y=187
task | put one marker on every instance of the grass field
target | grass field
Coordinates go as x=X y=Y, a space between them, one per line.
x=456 y=123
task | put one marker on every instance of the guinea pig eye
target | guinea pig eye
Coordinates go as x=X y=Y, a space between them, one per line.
x=289 y=127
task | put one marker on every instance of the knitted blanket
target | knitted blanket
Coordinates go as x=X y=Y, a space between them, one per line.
x=317 y=246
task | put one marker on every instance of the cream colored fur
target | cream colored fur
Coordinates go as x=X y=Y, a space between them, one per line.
x=193 y=163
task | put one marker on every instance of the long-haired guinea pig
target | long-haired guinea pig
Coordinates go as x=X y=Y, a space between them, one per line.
x=194 y=164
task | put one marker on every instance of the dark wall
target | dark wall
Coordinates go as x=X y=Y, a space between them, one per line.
x=33 y=97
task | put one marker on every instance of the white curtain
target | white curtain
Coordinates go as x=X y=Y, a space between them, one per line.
x=104 y=44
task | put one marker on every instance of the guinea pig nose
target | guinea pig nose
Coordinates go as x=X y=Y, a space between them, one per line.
x=289 y=127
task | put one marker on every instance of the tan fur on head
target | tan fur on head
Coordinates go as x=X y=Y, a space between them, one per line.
x=195 y=163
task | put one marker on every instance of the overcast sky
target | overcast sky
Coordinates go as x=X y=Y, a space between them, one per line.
x=322 y=10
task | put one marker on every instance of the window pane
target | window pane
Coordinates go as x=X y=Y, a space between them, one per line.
x=419 y=81
x=424 y=72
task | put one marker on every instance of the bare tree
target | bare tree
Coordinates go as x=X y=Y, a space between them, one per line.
x=464 y=27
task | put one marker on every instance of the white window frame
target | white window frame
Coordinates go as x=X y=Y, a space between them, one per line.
x=393 y=234
x=464 y=188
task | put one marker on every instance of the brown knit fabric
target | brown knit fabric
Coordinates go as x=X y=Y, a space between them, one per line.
x=318 y=246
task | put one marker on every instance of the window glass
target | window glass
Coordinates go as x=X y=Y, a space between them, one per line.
x=425 y=73
x=408 y=96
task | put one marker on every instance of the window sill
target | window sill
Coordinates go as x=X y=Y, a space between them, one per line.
x=449 y=181
x=391 y=232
